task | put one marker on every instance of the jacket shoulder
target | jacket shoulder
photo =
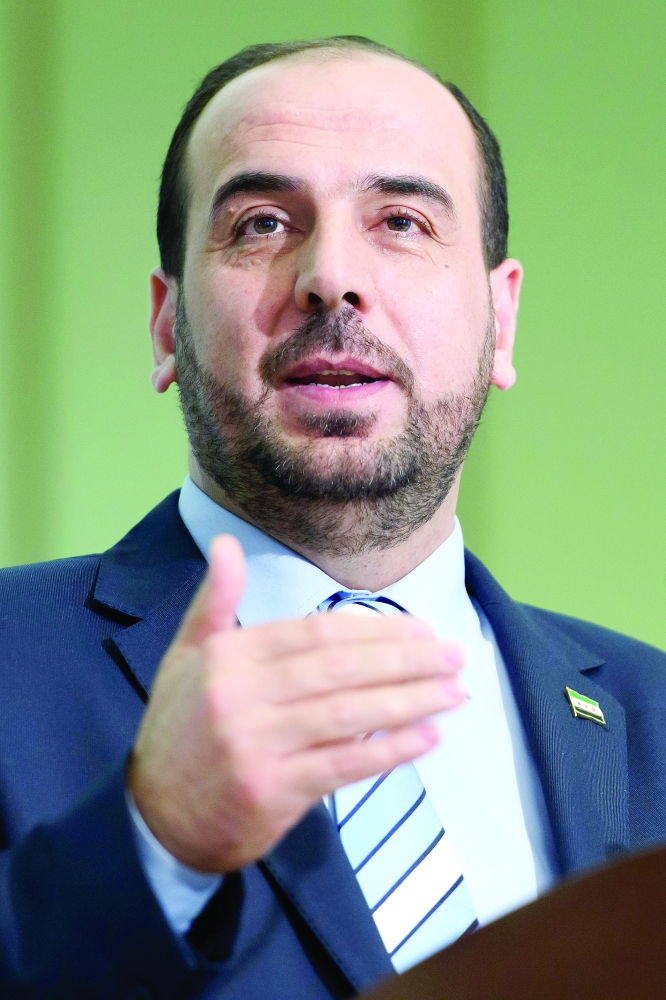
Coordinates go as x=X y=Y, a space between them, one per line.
x=596 y=637
x=46 y=616
x=72 y=583
x=47 y=585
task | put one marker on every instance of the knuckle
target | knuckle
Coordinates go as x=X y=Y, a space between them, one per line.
x=344 y=765
x=342 y=713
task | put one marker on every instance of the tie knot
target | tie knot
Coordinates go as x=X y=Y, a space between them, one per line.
x=360 y=602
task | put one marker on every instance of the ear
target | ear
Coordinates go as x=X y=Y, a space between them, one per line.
x=163 y=301
x=505 y=282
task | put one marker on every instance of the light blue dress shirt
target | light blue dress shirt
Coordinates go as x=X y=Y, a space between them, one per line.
x=480 y=778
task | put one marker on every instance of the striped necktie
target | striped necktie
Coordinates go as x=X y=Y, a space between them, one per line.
x=395 y=842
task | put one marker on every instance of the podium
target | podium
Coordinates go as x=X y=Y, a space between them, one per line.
x=598 y=937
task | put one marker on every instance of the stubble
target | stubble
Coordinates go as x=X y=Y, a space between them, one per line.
x=367 y=495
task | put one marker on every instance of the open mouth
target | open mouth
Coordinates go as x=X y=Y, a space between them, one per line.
x=335 y=379
x=347 y=374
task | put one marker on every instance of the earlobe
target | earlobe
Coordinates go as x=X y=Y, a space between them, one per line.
x=163 y=300
x=164 y=374
x=505 y=282
x=503 y=376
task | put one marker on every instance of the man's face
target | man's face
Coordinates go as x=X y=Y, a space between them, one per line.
x=334 y=289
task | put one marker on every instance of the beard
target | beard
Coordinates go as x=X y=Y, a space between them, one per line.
x=364 y=495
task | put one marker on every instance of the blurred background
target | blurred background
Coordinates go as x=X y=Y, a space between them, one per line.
x=564 y=490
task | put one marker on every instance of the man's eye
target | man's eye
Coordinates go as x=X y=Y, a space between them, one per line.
x=264 y=225
x=399 y=223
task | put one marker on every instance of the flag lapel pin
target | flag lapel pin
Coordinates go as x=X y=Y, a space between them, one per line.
x=584 y=707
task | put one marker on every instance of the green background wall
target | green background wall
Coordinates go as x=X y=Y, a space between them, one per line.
x=564 y=493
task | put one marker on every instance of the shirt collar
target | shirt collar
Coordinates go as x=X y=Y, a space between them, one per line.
x=282 y=584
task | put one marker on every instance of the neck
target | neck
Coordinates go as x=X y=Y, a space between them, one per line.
x=370 y=570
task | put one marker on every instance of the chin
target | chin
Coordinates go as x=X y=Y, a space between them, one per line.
x=330 y=455
x=333 y=449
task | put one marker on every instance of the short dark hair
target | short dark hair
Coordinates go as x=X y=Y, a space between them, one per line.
x=174 y=195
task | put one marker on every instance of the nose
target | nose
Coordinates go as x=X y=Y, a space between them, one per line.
x=333 y=268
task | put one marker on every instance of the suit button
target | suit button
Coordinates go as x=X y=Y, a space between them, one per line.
x=138 y=993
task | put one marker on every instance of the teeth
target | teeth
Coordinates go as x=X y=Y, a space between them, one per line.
x=352 y=385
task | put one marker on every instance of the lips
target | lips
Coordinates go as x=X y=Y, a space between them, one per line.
x=348 y=373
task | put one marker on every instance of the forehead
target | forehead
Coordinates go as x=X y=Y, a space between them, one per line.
x=330 y=118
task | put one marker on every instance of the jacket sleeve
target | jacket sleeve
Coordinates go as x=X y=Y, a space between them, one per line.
x=77 y=915
x=182 y=892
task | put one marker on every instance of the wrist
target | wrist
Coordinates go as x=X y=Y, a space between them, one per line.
x=163 y=815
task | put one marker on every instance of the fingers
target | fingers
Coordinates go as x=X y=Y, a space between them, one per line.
x=214 y=607
x=344 y=714
x=324 y=770
x=266 y=642
x=362 y=664
x=228 y=575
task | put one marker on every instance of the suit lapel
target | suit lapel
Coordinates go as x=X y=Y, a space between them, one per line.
x=146 y=582
x=312 y=868
x=583 y=766
x=143 y=644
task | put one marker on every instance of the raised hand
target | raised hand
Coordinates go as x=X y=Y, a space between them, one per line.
x=247 y=728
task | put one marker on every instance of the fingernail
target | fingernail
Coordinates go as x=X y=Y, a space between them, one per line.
x=454 y=688
x=429 y=732
x=452 y=656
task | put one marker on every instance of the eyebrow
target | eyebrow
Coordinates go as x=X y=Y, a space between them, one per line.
x=260 y=182
x=420 y=186
x=252 y=183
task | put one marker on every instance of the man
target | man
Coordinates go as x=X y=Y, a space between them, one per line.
x=334 y=302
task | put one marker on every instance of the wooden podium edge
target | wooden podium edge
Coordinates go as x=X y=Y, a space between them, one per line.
x=601 y=936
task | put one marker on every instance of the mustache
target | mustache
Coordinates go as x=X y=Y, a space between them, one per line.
x=341 y=331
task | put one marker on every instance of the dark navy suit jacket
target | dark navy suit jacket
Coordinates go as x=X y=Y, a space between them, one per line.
x=80 y=642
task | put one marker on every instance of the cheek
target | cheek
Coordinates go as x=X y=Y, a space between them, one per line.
x=233 y=324
x=442 y=327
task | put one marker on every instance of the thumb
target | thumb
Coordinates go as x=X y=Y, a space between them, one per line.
x=214 y=606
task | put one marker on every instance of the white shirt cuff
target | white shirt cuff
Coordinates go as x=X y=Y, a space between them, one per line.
x=182 y=892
